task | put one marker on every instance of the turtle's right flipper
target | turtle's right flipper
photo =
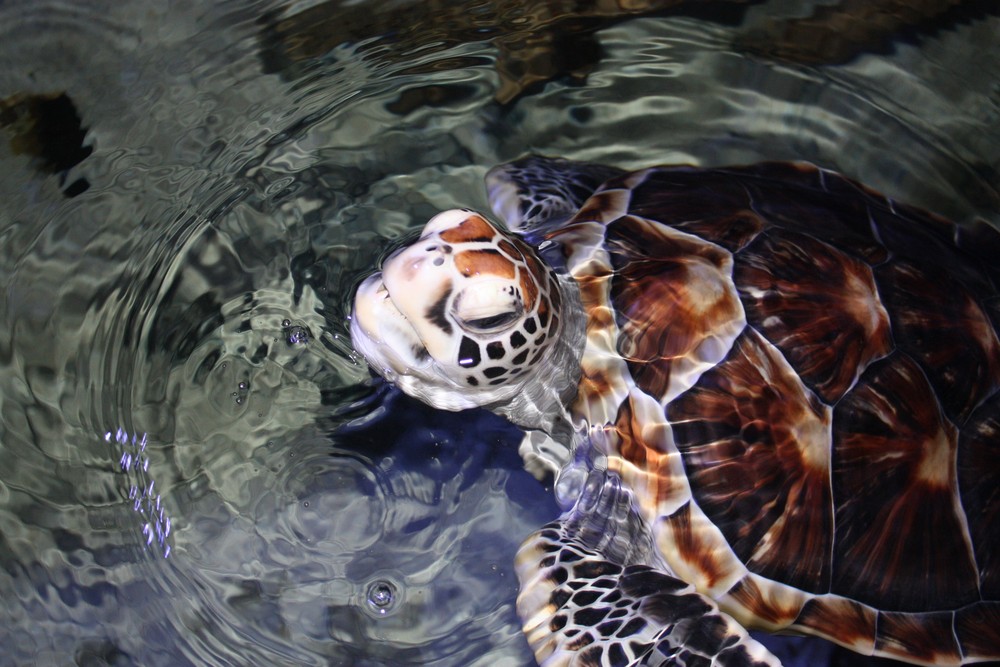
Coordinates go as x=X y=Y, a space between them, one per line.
x=587 y=599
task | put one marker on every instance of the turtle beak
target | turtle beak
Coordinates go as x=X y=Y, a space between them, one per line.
x=381 y=333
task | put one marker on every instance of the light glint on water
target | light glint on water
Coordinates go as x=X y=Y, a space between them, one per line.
x=147 y=502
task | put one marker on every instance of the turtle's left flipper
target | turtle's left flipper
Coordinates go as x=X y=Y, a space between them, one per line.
x=587 y=599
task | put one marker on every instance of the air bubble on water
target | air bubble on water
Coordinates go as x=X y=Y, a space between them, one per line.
x=243 y=385
x=295 y=334
x=380 y=597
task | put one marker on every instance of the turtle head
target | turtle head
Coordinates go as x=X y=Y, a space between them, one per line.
x=468 y=315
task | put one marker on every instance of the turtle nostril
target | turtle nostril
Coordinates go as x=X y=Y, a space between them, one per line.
x=438 y=261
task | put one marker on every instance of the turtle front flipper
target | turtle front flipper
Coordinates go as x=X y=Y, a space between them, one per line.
x=536 y=194
x=593 y=593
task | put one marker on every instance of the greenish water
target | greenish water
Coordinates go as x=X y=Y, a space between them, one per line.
x=227 y=172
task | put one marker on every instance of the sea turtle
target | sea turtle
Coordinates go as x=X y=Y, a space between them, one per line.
x=770 y=394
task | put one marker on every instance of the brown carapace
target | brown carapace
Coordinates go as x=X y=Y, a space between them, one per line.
x=827 y=367
x=782 y=387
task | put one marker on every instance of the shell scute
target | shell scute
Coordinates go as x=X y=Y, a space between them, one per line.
x=809 y=200
x=940 y=322
x=683 y=198
x=978 y=630
x=898 y=514
x=663 y=276
x=928 y=637
x=766 y=605
x=681 y=538
x=981 y=240
x=818 y=305
x=755 y=443
x=979 y=481
x=852 y=623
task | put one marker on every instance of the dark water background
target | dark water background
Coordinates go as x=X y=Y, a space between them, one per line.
x=189 y=192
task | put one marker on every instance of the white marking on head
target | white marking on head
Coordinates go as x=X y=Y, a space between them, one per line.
x=458 y=317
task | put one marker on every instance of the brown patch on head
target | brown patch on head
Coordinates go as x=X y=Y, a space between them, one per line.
x=534 y=275
x=543 y=309
x=849 y=623
x=509 y=249
x=927 y=637
x=529 y=291
x=473 y=229
x=484 y=262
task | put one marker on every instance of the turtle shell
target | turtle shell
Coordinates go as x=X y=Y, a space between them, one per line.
x=800 y=380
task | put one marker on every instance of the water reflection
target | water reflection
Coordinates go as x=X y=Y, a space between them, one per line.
x=245 y=165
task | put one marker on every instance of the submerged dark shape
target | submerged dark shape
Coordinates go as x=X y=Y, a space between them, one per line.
x=46 y=127
x=538 y=42
x=836 y=33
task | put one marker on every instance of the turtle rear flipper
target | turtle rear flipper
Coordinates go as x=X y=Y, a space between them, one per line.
x=587 y=597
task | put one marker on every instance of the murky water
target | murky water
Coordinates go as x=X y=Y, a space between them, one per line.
x=189 y=193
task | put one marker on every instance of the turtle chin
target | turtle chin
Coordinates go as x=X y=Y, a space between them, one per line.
x=380 y=332
x=392 y=348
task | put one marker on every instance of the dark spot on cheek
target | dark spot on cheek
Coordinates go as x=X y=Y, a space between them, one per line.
x=494 y=372
x=517 y=340
x=530 y=326
x=420 y=353
x=436 y=313
x=495 y=350
x=468 y=353
x=520 y=359
x=473 y=382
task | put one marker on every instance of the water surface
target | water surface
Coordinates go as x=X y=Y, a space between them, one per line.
x=182 y=267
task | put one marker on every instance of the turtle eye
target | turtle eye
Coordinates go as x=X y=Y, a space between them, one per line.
x=492 y=323
x=488 y=307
